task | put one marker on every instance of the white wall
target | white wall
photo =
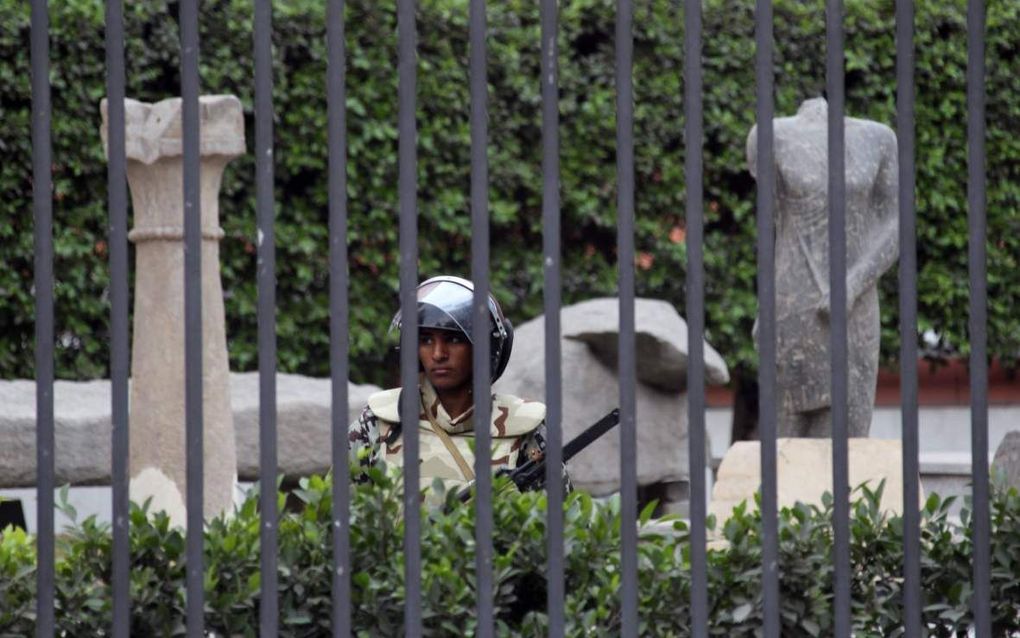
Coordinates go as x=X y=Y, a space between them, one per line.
x=941 y=429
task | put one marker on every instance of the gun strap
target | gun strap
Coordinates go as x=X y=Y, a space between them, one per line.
x=451 y=447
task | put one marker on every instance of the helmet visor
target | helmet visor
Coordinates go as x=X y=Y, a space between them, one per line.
x=443 y=305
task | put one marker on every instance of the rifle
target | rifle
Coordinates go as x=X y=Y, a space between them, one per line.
x=529 y=475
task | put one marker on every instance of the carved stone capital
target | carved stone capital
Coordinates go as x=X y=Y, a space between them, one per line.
x=154 y=131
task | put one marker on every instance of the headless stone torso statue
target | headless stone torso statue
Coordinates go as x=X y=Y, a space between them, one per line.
x=802 y=263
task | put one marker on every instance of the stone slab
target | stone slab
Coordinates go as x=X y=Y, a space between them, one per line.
x=303 y=404
x=82 y=415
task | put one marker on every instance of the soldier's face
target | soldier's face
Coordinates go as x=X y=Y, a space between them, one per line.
x=446 y=358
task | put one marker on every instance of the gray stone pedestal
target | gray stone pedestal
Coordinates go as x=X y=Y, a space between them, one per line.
x=157 y=418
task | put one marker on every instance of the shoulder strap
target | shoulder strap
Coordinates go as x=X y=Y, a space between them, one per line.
x=451 y=447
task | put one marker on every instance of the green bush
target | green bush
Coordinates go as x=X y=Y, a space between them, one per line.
x=592 y=572
x=587 y=154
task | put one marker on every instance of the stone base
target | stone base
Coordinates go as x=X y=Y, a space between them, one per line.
x=804 y=473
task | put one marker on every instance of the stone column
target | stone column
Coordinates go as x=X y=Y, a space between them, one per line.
x=155 y=176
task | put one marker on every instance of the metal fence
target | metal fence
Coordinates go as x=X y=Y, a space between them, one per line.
x=117 y=193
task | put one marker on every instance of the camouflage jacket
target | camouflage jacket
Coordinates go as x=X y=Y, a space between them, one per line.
x=517 y=428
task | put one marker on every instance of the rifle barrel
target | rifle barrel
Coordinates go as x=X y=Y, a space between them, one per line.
x=570 y=450
x=584 y=439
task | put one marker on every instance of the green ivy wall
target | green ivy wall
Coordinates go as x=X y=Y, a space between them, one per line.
x=588 y=162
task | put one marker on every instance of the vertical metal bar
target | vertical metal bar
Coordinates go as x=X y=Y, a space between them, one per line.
x=116 y=188
x=551 y=302
x=336 y=98
x=627 y=357
x=266 y=274
x=908 y=316
x=978 y=319
x=765 y=202
x=410 y=401
x=482 y=324
x=192 y=314
x=42 y=204
x=693 y=178
x=838 y=315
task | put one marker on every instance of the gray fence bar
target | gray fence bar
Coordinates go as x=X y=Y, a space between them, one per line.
x=409 y=399
x=838 y=316
x=116 y=188
x=336 y=98
x=695 y=303
x=266 y=275
x=765 y=201
x=192 y=314
x=908 y=317
x=978 y=315
x=552 y=302
x=481 y=327
x=42 y=205
x=627 y=346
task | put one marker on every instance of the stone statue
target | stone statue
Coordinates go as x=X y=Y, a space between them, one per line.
x=588 y=348
x=802 y=263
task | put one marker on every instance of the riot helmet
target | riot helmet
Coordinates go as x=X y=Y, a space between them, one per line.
x=444 y=303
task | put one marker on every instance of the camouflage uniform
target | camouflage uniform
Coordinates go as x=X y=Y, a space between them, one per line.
x=517 y=429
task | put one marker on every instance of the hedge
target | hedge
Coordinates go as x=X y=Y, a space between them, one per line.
x=587 y=162
x=592 y=569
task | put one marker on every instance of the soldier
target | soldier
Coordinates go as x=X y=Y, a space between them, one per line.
x=446 y=424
